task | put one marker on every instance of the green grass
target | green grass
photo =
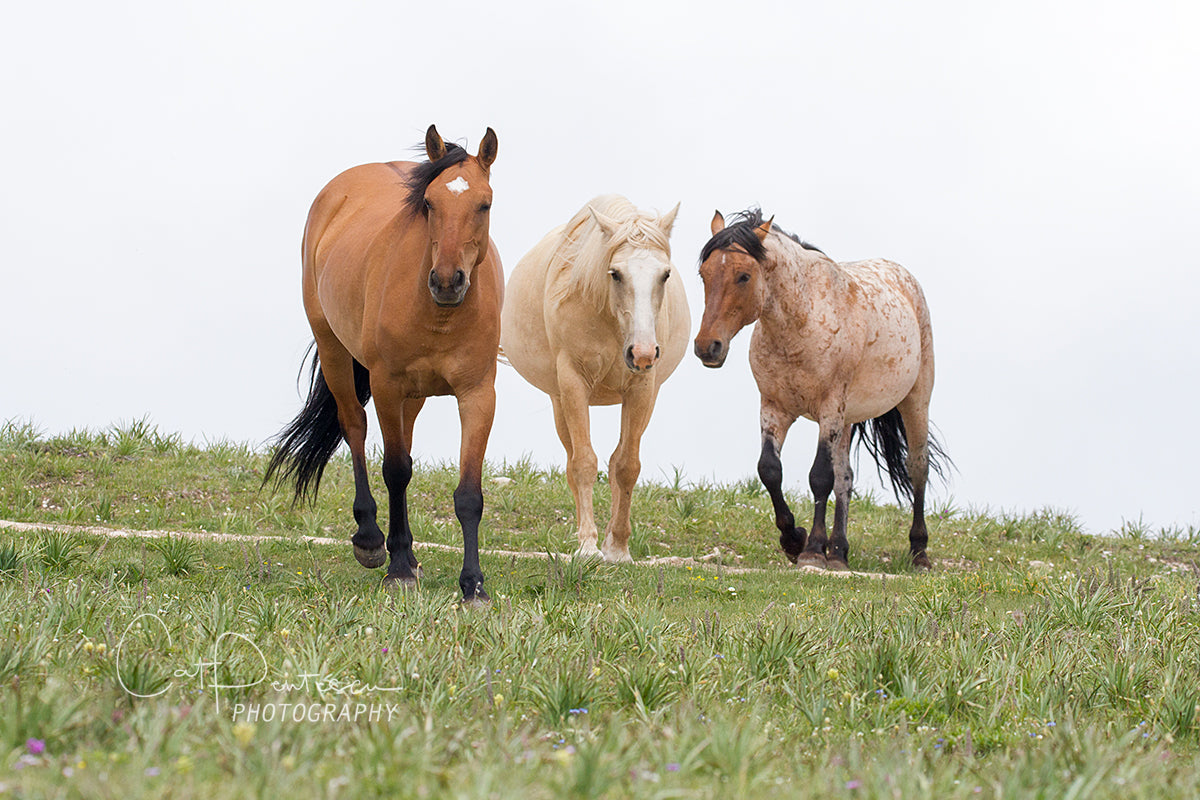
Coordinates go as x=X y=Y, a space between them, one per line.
x=1034 y=661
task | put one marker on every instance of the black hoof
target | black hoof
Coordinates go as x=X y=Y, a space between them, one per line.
x=793 y=544
x=373 y=558
x=921 y=562
x=836 y=564
x=480 y=600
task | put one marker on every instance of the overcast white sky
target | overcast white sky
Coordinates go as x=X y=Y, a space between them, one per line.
x=1034 y=164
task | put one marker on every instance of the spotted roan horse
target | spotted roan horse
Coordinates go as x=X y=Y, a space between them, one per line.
x=847 y=345
x=403 y=289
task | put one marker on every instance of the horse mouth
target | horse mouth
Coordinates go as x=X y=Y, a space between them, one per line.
x=712 y=356
x=448 y=298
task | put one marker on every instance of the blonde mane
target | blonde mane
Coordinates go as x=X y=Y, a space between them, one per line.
x=589 y=253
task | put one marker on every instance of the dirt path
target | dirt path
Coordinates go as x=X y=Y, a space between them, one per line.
x=708 y=562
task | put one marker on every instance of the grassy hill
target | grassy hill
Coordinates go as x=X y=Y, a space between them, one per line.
x=1034 y=661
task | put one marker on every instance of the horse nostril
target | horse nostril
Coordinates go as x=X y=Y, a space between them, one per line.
x=433 y=281
x=629 y=355
x=460 y=278
x=657 y=351
x=714 y=349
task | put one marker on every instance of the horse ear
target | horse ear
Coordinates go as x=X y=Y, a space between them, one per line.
x=607 y=224
x=667 y=221
x=762 y=230
x=487 y=150
x=718 y=223
x=435 y=148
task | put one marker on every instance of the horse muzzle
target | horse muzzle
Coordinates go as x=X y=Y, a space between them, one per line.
x=448 y=294
x=711 y=353
x=641 y=358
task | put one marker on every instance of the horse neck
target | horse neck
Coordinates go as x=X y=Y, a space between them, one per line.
x=797 y=279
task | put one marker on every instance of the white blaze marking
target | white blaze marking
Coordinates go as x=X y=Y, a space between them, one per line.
x=458 y=185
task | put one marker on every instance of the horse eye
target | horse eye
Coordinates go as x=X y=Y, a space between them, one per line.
x=428 y=205
x=486 y=207
x=666 y=276
x=616 y=276
x=744 y=277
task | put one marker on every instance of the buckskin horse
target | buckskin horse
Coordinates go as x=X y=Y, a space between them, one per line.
x=849 y=346
x=403 y=288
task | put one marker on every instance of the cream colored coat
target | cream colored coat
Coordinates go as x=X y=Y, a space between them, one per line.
x=595 y=314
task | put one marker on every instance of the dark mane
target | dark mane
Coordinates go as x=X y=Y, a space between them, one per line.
x=427 y=172
x=739 y=235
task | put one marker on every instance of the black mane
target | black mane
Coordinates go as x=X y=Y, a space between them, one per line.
x=739 y=235
x=427 y=172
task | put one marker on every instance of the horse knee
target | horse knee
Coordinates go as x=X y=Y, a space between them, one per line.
x=821 y=476
x=625 y=471
x=468 y=504
x=583 y=466
x=770 y=469
x=397 y=471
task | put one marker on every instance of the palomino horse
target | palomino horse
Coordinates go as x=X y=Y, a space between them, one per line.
x=841 y=344
x=403 y=289
x=596 y=315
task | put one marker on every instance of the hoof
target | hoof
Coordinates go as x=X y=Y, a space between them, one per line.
x=402 y=584
x=371 y=559
x=809 y=559
x=836 y=564
x=618 y=557
x=480 y=600
x=793 y=545
x=921 y=562
x=586 y=551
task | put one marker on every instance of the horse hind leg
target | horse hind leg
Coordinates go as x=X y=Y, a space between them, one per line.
x=412 y=407
x=838 y=550
x=916 y=430
x=348 y=381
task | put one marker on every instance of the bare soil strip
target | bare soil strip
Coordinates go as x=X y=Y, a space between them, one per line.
x=708 y=562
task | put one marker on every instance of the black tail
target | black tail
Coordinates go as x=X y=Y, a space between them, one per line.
x=305 y=446
x=885 y=440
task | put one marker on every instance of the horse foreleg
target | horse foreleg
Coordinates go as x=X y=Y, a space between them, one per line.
x=775 y=426
x=571 y=406
x=397 y=473
x=476 y=410
x=624 y=468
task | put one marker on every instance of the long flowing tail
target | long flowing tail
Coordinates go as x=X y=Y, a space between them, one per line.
x=885 y=440
x=304 y=447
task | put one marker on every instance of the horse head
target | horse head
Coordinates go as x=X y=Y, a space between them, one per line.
x=639 y=267
x=456 y=201
x=732 y=271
